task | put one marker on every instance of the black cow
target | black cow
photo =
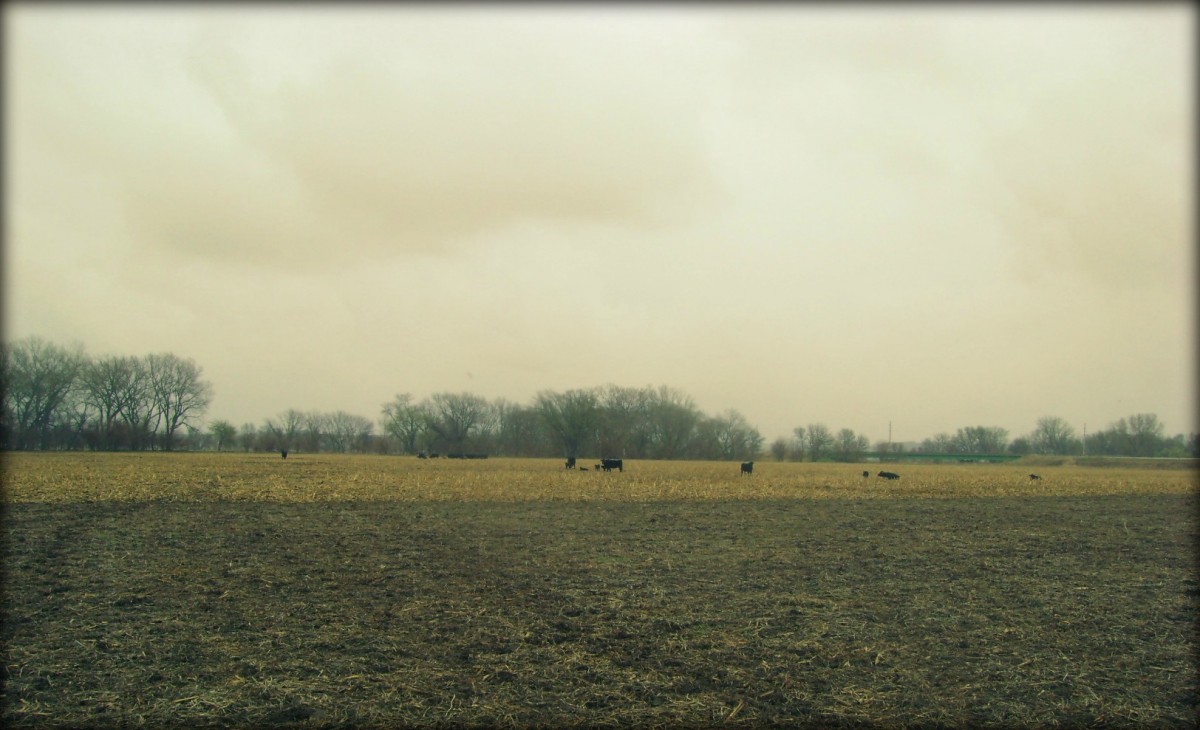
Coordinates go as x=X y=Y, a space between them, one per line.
x=422 y=455
x=889 y=475
x=610 y=464
x=1033 y=476
x=599 y=467
x=570 y=462
x=583 y=468
x=747 y=468
x=866 y=474
x=284 y=452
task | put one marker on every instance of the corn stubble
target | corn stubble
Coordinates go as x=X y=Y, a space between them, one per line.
x=73 y=477
x=238 y=590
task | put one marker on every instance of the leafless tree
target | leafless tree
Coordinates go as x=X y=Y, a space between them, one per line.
x=457 y=417
x=1054 y=435
x=178 y=392
x=39 y=377
x=820 y=440
x=406 y=422
x=733 y=437
x=571 y=416
x=347 y=432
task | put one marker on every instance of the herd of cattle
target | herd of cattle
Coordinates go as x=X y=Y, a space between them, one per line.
x=604 y=465
x=619 y=465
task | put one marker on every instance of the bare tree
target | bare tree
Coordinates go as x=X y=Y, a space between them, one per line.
x=733 y=436
x=347 y=432
x=111 y=385
x=248 y=436
x=624 y=426
x=456 y=417
x=406 y=422
x=39 y=376
x=820 y=440
x=313 y=432
x=799 y=443
x=521 y=431
x=1053 y=435
x=943 y=443
x=571 y=416
x=179 y=393
x=850 y=446
x=673 y=418
x=223 y=432
x=283 y=431
x=139 y=410
x=1145 y=434
x=980 y=440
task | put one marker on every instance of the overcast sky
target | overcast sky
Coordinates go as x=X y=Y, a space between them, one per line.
x=930 y=215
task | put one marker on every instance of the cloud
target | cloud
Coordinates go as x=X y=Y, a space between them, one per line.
x=396 y=141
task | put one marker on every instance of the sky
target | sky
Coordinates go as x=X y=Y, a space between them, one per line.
x=915 y=217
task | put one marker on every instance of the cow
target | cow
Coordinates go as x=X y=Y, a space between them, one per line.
x=1034 y=476
x=284 y=452
x=422 y=455
x=889 y=475
x=610 y=464
x=747 y=468
x=598 y=467
x=570 y=462
x=866 y=474
x=583 y=468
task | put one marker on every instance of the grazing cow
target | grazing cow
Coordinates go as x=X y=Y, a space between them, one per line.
x=421 y=455
x=866 y=474
x=747 y=468
x=889 y=475
x=570 y=462
x=1033 y=476
x=284 y=452
x=610 y=464
x=583 y=468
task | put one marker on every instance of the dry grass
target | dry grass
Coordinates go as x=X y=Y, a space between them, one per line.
x=245 y=591
x=74 y=477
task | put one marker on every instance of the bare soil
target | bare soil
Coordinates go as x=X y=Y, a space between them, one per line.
x=976 y=612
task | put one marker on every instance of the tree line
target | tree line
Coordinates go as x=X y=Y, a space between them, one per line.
x=1141 y=434
x=60 y=398
x=57 y=397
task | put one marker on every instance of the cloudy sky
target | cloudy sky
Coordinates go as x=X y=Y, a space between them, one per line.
x=926 y=215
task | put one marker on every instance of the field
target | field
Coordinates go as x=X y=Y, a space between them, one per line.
x=243 y=590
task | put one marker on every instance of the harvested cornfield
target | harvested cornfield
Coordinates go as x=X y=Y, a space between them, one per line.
x=89 y=477
x=233 y=590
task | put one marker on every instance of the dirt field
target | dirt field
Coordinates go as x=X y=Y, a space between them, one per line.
x=245 y=591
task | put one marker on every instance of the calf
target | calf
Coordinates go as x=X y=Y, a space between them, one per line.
x=866 y=474
x=747 y=468
x=889 y=475
x=570 y=462
x=610 y=464
x=1033 y=476
x=284 y=452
